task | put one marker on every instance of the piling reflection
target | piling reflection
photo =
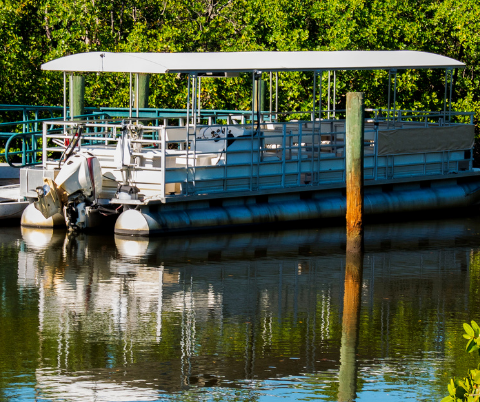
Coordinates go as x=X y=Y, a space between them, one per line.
x=350 y=327
x=162 y=315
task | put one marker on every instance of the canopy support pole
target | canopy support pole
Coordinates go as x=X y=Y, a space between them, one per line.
x=445 y=97
x=137 y=92
x=270 y=87
x=314 y=101
x=64 y=100
x=188 y=131
x=334 y=90
x=195 y=116
x=389 y=93
x=328 y=103
x=320 y=93
x=314 y=98
x=395 y=98
x=448 y=81
x=130 y=98
x=253 y=99
x=254 y=73
x=320 y=75
x=450 y=98
x=199 y=99
x=276 y=96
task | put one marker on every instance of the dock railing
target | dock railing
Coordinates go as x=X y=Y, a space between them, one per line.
x=23 y=139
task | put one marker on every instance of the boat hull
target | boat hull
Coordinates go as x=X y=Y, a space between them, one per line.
x=301 y=207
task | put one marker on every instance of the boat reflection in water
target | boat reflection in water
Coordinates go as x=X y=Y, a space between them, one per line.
x=249 y=314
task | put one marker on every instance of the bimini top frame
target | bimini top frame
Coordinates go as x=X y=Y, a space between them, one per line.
x=229 y=63
x=160 y=63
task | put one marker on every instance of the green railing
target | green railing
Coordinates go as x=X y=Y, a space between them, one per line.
x=23 y=139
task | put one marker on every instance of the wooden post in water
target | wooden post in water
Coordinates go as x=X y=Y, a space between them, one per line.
x=354 y=170
x=354 y=259
x=142 y=83
x=77 y=95
x=347 y=388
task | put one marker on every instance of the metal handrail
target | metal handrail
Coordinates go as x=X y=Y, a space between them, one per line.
x=30 y=126
x=32 y=153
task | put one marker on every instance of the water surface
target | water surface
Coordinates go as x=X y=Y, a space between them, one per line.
x=236 y=317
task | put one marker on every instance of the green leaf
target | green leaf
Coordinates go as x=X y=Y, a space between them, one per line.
x=447 y=399
x=467 y=336
x=468 y=329
x=471 y=346
x=451 y=387
x=476 y=379
x=476 y=328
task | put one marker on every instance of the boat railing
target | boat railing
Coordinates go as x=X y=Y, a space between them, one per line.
x=163 y=161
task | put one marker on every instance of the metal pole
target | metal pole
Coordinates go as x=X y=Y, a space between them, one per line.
x=314 y=101
x=137 y=92
x=389 y=90
x=354 y=170
x=319 y=120
x=450 y=98
x=270 y=97
x=64 y=100
x=314 y=98
x=253 y=99
x=199 y=98
x=445 y=97
x=130 y=98
x=328 y=97
x=276 y=95
x=334 y=90
x=320 y=93
x=188 y=130
x=195 y=116
x=251 y=135
x=163 y=162
x=394 y=98
x=44 y=145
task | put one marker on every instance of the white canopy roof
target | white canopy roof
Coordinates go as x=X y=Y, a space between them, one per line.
x=160 y=63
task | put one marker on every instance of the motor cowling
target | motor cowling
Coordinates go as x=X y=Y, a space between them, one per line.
x=77 y=186
x=81 y=173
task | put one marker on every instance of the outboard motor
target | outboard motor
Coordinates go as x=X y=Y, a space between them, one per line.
x=76 y=187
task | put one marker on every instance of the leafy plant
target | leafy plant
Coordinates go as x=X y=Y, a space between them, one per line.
x=468 y=388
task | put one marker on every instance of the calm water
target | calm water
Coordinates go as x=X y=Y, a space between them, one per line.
x=236 y=317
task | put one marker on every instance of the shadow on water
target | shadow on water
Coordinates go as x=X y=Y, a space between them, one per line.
x=260 y=313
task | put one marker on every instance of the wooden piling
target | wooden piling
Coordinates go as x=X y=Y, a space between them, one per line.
x=260 y=86
x=142 y=83
x=354 y=170
x=77 y=95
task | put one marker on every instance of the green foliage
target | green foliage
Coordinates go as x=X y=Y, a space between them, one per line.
x=468 y=388
x=34 y=32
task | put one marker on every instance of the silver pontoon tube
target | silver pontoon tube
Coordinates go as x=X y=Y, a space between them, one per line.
x=144 y=223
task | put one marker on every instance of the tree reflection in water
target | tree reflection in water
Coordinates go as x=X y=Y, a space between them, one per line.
x=242 y=315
